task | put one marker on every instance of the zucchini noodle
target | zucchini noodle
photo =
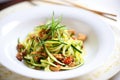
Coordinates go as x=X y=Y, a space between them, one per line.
x=51 y=47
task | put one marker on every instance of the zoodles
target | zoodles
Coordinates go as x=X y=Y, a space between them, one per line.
x=52 y=47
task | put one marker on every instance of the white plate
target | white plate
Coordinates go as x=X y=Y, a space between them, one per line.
x=99 y=44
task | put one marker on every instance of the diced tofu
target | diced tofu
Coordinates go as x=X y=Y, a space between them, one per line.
x=72 y=64
x=55 y=68
x=71 y=32
x=82 y=37
x=74 y=37
x=19 y=56
x=19 y=47
x=58 y=56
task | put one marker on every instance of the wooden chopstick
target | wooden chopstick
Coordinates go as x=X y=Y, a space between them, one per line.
x=104 y=14
x=31 y=2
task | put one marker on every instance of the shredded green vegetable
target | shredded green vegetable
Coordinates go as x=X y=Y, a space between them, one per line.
x=51 y=47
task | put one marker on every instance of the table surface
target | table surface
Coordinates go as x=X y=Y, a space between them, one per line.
x=112 y=7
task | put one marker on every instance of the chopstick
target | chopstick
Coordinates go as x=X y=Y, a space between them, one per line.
x=104 y=14
x=31 y=2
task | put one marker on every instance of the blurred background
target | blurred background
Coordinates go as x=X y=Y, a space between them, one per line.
x=92 y=4
x=6 y=3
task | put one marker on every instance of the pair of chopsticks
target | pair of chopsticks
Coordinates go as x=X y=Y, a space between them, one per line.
x=104 y=14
